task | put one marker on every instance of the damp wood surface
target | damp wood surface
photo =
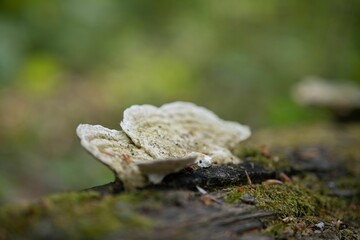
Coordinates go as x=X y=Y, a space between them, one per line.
x=293 y=183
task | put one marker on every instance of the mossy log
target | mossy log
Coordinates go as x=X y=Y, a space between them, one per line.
x=293 y=183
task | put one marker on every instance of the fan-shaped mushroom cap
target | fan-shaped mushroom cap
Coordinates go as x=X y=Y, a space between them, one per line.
x=157 y=141
x=337 y=96
x=178 y=129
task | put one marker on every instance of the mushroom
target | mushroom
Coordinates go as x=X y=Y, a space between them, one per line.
x=155 y=142
x=342 y=99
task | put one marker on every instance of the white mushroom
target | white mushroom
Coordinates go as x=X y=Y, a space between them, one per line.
x=157 y=141
x=129 y=163
x=337 y=96
x=115 y=150
x=179 y=129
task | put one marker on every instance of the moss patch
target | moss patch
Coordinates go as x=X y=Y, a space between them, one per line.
x=285 y=200
x=73 y=216
x=303 y=204
x=262 y=157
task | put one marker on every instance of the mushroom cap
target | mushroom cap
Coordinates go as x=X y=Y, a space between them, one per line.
x=178 y=129
x=155 y=142
x=114 y=149
x=130 y=163
x=337 y=96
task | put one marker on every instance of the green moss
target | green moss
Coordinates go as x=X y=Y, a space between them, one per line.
x=285 y=200
x=305 y=202
x=284 y=229
x=346 y=209
x=73 y=216
x=263 y=158
x=308 y=200
x=248 y=151
x=302 y=198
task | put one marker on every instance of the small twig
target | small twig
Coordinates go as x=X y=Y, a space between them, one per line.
x=248 y=179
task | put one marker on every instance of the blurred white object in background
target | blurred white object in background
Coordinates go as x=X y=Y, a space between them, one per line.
x=342 y=98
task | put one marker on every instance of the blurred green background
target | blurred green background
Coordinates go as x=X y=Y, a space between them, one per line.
x=65 y=62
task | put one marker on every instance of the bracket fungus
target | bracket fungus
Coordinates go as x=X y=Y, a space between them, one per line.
x=341 y=98
x=154 y=142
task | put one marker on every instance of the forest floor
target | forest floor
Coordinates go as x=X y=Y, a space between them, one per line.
x=294 y=183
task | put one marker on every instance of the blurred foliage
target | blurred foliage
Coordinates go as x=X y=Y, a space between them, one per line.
x=63 y=62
